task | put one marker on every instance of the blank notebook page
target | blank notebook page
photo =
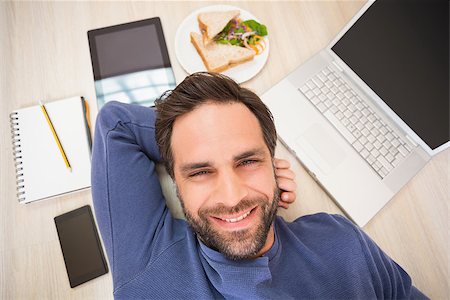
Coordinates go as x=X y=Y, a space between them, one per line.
x=44 y=171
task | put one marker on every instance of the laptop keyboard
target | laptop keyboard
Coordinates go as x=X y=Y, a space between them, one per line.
x=369 y=135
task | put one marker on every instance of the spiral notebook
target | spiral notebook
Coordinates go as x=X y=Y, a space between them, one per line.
x=41 y=171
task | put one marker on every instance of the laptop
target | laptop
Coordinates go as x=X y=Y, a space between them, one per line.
x=366 y=113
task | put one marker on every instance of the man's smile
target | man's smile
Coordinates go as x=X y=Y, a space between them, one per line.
x=236 y=221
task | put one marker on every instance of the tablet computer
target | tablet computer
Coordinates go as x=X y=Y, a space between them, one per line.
x=130 y=62
x=80 y=245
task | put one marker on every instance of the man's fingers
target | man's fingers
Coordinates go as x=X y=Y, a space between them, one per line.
x=286 y=184
x=281 y=163
x=285 y=173
x=285 y=178
x=283 y=204
x=288 y=197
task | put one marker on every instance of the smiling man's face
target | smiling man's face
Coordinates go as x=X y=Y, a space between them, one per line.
x=225 y=178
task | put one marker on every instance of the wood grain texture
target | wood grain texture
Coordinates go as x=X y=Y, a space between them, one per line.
x=44 y=54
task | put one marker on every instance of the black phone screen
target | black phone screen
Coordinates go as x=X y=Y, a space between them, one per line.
x=80 y=245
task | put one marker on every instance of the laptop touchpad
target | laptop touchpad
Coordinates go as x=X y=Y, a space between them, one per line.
x=321 y=148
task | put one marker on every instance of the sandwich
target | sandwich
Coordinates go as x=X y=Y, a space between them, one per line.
x=220 y=57
x=226 y=40
x=212 y=23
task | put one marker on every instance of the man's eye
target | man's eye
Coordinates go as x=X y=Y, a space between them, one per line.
x=248 y=162
x=199 y=173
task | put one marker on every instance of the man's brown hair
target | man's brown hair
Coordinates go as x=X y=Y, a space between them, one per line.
x=200 y=88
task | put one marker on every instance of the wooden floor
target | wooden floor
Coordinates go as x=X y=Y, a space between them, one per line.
x=44 y=54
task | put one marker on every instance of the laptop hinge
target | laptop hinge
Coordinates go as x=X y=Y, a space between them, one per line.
x=338 y=66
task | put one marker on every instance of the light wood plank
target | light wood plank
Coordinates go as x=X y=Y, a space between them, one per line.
x=44 y=54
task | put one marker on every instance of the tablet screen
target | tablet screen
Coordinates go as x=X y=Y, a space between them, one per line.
x=130 y=62
x=80 y=245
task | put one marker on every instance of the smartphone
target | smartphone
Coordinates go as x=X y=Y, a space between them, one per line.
x=80 y=245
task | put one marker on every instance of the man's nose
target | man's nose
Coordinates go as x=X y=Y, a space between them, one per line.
x=231 y=189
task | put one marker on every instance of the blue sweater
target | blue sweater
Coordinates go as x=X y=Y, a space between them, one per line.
x=153 y=255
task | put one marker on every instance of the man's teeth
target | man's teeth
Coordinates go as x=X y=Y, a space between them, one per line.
x=238 y=218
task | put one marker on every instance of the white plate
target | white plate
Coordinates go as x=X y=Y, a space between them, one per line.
x=191 y=61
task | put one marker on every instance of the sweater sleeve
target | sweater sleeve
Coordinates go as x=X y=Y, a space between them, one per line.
x=128 y=201
x=390 y=281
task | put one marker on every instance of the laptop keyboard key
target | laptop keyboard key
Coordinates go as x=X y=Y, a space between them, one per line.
x=351 y=127
x=377 y=165
x=315 y=100
x=310 y=84
x=388 y=145
x=365 y=132
x=403 y=150
x=364 y=153
x=309 y=94
x=363 y=139
x=393 y=151
x=321 y=107
x=381 y=137
x=359 y=126
x=397 y=161
x=375 y=132
x=304 y=89
x=390 y=157
x=318 y=83
x=357 y=145
x=371 y=138
x=383 y=151
x=347 y=114
x=365 y=112
x=385 y=163
x=395 y=142
x=375 y=153
x=383 y=130
x=377 y=144
x=338 y=125
x=383 y=172
x=334 y=110
x=323 y=76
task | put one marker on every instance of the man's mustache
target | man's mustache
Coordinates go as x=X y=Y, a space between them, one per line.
x=242 y=206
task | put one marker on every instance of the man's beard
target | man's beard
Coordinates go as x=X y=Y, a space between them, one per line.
x=236 y=245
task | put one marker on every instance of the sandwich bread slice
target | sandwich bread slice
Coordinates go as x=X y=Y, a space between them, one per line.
x=212 y=23
x=219 y=57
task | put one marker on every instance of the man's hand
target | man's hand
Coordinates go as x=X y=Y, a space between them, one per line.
x=286 y=183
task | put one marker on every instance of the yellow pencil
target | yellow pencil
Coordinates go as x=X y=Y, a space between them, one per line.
x=55 y=136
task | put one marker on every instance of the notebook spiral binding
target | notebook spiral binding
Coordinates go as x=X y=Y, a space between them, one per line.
x=17 y=153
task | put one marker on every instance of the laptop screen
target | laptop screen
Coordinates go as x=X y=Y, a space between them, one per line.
x=401 y=50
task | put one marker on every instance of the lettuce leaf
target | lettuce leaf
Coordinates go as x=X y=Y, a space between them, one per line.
x=255 y=26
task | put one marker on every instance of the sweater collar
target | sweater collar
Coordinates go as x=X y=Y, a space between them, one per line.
x=239 y=279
